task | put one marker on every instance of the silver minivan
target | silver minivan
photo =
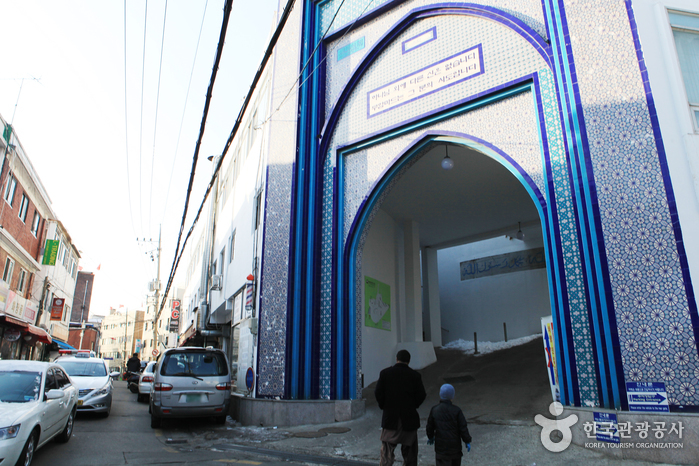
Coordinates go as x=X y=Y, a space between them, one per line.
x=190 y=382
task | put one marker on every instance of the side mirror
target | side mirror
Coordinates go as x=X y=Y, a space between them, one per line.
x=55 y=394
x=114 y=374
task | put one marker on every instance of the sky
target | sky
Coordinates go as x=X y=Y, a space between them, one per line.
x=107 y=98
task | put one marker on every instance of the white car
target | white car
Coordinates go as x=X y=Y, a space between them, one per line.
x=37 y=403
x=93 y=380
x=145 y=382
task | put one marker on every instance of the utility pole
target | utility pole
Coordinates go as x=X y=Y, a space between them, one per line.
x=156 y=313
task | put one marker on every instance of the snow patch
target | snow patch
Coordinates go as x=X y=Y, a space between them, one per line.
x=485 y=347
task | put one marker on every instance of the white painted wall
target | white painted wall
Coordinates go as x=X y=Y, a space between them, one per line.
x=379 y=262
x=680 y=137
x=482 y=305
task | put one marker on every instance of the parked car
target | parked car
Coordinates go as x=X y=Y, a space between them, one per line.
x=145 y=382
x=93 y=381
x=190 y=382
x=37 y=403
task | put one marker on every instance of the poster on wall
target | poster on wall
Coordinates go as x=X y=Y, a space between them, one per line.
x=550 y=353
x=377 y=304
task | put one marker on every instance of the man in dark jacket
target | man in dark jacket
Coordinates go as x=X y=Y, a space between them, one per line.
x=399 y=393
x=446 y=428
x=134 y=364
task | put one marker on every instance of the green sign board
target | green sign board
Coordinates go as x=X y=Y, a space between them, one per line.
x=51 y=252
x=377 y=304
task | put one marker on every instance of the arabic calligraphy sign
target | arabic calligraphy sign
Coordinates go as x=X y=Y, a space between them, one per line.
x=503 y=263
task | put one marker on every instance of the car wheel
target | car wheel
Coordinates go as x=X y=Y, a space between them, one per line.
x=25 y=459
x=220 y=420
x=109 y=410
x=155 y=422
x=65 y=435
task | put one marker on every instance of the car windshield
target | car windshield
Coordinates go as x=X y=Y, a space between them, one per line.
x=19 y=386
x=84 y=369
x=199 y=364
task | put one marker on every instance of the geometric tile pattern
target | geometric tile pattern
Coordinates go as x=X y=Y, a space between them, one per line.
x=276 y=249
x=499 y=49
x=326 y=281
x=507 y=56
x=529 y=12
x=362 y=168
x=568 y=241
x=517 y=137
x=648 y=290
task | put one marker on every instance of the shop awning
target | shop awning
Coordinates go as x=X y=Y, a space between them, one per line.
x=63 y=344
x=41 y=334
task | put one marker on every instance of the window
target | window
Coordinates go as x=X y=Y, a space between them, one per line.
x=231 y=247
x=66 y=255
x=22 y=280
x=66 y=314
x=222 y=258
x=9 y=268
x=23 y=208
x=35 y=224
x=10 y=189
x=258 y=209
x=685 y=29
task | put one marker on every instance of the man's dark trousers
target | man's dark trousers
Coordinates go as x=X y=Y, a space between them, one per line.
x=399 y=393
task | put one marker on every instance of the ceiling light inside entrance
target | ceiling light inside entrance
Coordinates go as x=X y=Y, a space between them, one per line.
x=447 y=163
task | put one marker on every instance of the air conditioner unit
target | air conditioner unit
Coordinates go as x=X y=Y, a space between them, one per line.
x=216 y=282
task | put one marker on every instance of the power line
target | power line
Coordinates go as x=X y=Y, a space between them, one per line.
x=329 y=53
x=140 y=146
x=265 y=59
x=219 y=51
x=155 y=126
x=268 y=53
x=126 y=130
x=184 y=110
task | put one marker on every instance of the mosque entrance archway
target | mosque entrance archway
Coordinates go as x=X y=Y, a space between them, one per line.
x=440 y=248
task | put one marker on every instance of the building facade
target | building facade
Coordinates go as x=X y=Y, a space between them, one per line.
x=121 y=336
x=407 y=145
x=55 y=284
x=82 y=297
x=24 y=213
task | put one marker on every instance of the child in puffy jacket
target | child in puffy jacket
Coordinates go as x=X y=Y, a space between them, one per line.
x=446 y=428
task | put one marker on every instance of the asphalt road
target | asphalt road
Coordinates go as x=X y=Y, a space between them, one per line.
x=125 y=437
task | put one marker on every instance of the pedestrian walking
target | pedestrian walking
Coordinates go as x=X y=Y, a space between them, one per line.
x=446 y=428
x=399 y=393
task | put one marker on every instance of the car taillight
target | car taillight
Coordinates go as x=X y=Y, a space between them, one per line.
x=147 y=378
x=162 y=387
x=223 y=386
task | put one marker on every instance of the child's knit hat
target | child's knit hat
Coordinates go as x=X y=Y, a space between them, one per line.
x=446 y=392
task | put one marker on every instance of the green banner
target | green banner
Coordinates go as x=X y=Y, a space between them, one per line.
x=377 y=304
x=51 y=251
x=7 y=133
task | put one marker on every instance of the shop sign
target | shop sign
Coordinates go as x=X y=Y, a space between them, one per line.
x=30 y=310
x=15 y=305
x=51 y=251
x=57 y=308
x=175 y=316
x=12 y=334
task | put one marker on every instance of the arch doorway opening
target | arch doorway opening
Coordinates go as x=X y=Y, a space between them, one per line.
x=452 y=253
